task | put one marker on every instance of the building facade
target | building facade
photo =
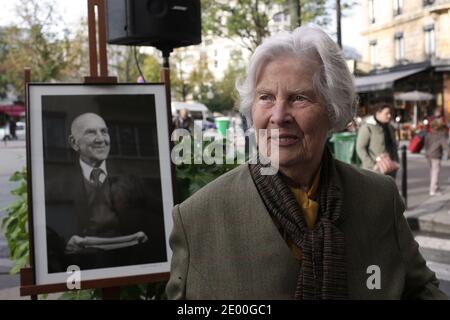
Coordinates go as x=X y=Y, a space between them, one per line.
x=407 y=48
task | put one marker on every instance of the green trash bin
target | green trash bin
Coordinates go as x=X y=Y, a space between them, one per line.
x=222 y=124
x=344 y=146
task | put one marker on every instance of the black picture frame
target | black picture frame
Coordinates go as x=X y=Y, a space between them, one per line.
x=138 y=181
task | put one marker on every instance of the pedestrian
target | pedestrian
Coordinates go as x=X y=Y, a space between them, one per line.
x=316 y=228
x=376 y=144
x=12 y=129
x=437 y=115
x=436 y=142
x=184 y=121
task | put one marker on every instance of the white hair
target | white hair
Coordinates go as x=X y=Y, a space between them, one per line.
x=333 y=83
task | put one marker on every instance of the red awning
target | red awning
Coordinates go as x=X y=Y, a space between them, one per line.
x=14 y=110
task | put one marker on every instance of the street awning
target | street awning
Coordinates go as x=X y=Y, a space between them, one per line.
x=382 y=81
x=414 y=96
x=14 y=110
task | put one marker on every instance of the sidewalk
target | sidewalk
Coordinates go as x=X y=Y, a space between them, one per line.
x=12 y=158
x=10 y=284
x=433 y=215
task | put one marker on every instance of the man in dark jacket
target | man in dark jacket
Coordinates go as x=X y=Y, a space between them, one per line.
x=100 y=219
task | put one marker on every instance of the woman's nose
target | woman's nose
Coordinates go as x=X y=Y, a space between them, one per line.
x=281 y=113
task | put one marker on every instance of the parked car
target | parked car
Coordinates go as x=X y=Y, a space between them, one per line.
x=5 y=134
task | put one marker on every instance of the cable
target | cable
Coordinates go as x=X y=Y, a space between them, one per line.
x=137 y=64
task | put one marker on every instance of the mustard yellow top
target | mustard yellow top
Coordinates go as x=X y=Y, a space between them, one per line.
x=304 y=199
x=310 y=209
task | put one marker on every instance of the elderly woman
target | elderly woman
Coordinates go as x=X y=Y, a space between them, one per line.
x=319 y=228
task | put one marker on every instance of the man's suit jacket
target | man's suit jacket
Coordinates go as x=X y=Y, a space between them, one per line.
x=136 y=205
x=226 y=246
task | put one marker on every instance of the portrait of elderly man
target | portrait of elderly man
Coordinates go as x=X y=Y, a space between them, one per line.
x=318 y=228
x=110 y=220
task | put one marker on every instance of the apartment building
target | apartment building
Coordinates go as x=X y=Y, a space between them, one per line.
x=407 y=48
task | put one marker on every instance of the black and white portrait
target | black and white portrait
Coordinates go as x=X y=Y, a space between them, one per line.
x=106 y=175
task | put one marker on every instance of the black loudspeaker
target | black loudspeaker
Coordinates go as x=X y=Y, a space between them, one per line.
x=164 y=24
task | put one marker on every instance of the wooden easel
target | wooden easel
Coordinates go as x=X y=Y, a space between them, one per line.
x=98 y=24
x=97 y=49
x=97 y=57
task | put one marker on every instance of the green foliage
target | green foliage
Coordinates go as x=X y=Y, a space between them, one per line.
x=191 y=177
x=51 y=54
x=15 y=224
x=180 y=85
x=315 y=11
x=125 y=67
x=92 y=294
x=248 y=20
x=201 y=79
x=151 y=69
x=225 y=94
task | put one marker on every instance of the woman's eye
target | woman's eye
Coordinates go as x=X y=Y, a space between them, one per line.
x=264 y=97
x=299 y=98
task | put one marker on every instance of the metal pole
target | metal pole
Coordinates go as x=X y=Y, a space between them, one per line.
x=404 y=177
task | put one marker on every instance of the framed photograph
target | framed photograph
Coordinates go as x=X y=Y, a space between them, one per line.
x=101 y=184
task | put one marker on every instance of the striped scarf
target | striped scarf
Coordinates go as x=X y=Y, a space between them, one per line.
x=323 y=272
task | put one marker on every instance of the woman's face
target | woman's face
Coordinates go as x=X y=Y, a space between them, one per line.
x=384 y=115
x=292 y=112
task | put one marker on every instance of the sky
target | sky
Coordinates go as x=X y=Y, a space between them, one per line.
x=72 y=10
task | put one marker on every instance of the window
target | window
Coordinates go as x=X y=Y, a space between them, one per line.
x=373 y=53
x=56 y=146
x=430 y=45
x=133 y=141
x=372 y=11
x=399 y=47
x=398 y=5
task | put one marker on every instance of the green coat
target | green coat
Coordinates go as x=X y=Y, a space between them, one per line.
x=226 y=246
x=370 y=143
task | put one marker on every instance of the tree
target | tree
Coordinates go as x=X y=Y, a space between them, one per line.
x=38 y=44
x=248 y=20
x=76 y=53
x=201 y=80
x=179 y=83
x=225 y=94
x=341 y=7
x=3 y=54
x=151 y=69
